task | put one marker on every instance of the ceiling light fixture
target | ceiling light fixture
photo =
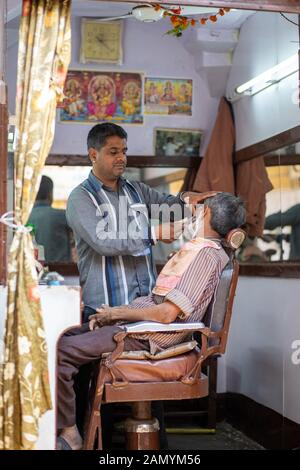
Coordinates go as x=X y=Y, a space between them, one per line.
x=270 y=77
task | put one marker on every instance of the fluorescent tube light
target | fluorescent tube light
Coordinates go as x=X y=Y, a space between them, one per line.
x=270 y=76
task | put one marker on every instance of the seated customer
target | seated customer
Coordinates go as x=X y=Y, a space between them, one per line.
x=51 y=229
x=182 y=293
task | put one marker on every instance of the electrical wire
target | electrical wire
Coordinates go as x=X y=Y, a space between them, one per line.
x=287 y=19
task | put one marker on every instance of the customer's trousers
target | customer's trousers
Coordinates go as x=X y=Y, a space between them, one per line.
x=77 y=347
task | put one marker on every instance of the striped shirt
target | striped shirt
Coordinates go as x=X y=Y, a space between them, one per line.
x=116 y=270
x=192 y=295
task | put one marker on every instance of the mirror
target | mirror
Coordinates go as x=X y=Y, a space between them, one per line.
x=282 y=225
x=65 y=179
x=264 y=113
x=279 y=241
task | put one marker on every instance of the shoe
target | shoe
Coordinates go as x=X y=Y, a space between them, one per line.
x=62 y=444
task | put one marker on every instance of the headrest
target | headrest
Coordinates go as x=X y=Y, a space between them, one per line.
x=235 y=238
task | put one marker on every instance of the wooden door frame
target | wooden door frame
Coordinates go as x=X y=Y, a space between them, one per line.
x=3 y=188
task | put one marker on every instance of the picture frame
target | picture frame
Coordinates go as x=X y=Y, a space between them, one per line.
x=93 y=96
x=101 y=42
x=168 y=96
x=177 y=142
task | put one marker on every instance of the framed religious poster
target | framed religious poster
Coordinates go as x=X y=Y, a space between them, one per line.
x=168 y=96
x=92 y=96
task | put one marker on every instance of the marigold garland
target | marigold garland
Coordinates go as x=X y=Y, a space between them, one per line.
x=180 y=23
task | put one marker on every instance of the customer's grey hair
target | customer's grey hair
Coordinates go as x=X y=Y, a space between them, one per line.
x=227 y=212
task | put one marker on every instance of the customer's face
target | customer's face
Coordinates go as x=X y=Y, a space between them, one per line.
x=110 y=161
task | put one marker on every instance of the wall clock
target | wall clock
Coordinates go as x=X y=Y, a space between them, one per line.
x=101 y=41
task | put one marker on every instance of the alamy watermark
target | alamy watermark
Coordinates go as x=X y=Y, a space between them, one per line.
x=134 y=221
x=295 y=357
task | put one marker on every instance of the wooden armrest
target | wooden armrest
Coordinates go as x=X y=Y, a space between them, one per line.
x=153 y=327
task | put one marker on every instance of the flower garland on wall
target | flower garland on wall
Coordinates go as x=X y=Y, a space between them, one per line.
x=180 y=23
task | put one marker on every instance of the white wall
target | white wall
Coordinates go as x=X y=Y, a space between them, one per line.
x=265 y=40
x=146 y=49
x=258 y=361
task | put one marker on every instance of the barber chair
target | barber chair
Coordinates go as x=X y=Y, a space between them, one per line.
x=173 y=374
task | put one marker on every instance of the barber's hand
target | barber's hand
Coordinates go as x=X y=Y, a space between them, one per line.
x=193 y=198
x=168 y=232
x=101 y=318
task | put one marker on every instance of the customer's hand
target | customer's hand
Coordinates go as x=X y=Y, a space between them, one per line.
x=101 y=318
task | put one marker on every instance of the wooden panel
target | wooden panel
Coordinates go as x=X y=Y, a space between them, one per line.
x=282 y=160
x=286 y=269
x=163 y=162
x=265 y=5
x=193 y=163
x=3 y=189
x=139 y=161
x=260 y=423
x=271 y=144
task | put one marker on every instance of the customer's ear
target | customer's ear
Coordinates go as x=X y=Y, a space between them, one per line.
x=206 y=212
x=206 y=209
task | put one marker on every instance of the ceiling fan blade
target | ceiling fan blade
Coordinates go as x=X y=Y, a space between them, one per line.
x=113 y=18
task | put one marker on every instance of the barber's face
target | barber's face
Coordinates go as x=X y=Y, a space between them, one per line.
x=110 y=161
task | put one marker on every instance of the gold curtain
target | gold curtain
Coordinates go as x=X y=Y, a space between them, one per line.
x=43 y=59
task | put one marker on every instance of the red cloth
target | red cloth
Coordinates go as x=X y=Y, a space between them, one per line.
x=252 y=184
x=216 y=169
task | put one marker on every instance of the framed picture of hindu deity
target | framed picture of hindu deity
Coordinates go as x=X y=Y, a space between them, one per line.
x=168 y=96
x=94 y=96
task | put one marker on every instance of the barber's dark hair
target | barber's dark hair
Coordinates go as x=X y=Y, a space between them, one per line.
x=99 y=133
x=46 y=189
x=227 y=212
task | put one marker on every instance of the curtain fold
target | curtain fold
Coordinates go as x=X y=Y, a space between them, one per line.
x=43 y=59
x=252 y=184
x=216 y=169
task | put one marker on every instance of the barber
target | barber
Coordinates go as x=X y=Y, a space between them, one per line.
x=115 y=267
x=110 y=218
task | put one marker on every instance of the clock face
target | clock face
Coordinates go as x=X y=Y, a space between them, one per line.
x=101 y=42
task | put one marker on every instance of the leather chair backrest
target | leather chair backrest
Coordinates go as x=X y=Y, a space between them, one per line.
x=215 y=314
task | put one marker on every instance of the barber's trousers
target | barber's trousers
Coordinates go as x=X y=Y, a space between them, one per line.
x=77 y=347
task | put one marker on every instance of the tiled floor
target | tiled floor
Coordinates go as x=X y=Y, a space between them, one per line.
x=225 y=438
